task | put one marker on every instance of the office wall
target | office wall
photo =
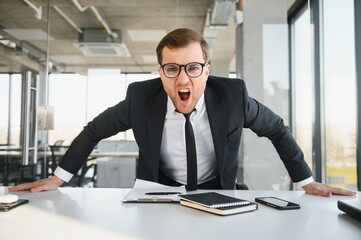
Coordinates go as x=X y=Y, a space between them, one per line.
x=262 y=61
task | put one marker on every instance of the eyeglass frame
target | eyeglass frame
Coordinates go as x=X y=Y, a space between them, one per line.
x=184 y=67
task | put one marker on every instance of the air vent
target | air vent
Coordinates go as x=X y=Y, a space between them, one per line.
x=96 y=42
x=104 y=49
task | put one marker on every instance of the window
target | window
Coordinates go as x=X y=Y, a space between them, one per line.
x=78 y=99
x=4 y=107
x=15 y=109
x=106 y=87
x=303 y=89
x=67 y=94
x=339 y=93
x=10 y=107
x=326 y=84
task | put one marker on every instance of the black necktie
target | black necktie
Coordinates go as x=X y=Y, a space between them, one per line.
x=191 y=155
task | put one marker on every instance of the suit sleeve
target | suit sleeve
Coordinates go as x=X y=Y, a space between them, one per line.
x=265 y=123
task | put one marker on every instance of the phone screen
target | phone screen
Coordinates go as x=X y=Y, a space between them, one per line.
x=277 y=203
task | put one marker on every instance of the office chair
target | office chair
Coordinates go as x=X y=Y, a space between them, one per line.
x=79 y=179
x=241 y=186
x=56 y=154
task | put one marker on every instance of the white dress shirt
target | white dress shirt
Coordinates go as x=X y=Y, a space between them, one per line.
x=173 y=153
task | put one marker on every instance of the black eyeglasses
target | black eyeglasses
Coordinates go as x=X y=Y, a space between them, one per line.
x=192 y=69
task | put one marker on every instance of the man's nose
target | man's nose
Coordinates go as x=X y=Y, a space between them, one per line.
x=183 y=76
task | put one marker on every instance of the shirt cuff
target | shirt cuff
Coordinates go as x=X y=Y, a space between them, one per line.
x=62 y=174
x=304 y=182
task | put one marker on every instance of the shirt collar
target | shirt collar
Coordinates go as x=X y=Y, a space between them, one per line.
x=171 y=110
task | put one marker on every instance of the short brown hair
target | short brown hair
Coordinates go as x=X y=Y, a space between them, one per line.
x=180 y=38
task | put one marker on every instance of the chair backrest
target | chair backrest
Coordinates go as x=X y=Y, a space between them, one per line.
x=58 y=143
x=57 y=152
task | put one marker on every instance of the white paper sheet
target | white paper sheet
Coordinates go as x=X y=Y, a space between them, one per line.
x=142 y=187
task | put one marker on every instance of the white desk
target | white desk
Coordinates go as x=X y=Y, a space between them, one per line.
x=93 y=212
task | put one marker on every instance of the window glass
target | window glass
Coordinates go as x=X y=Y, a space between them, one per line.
x=78 y=99
x=67 y=94
x=15 y=109
x=339 y=93
x=4 y=107
x=303 y=84
x=106 y=87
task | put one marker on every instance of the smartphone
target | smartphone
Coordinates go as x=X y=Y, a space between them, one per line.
x=277 y=203
x=4 y=207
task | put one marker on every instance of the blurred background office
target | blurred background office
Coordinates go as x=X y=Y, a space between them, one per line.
x=64 y=62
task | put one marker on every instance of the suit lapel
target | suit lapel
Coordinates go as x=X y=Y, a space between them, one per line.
x=156 y=111
x=216 y=114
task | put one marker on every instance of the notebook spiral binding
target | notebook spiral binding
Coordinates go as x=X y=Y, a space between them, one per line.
x=232 y=204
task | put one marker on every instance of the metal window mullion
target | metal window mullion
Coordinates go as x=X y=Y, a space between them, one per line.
x=25 y=118
x=357 y=8
x=9 y=109
x=319 y=162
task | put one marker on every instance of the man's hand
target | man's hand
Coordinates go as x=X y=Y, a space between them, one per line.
x=46 y=184
x=316 y=188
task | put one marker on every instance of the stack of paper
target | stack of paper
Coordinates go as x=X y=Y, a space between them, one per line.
x=146 y=191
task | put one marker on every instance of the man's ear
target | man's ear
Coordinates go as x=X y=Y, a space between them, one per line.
x=208 y=69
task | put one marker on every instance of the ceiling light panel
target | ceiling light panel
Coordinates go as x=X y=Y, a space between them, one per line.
x=147 y=35
x=28 y=34
x=150 y=58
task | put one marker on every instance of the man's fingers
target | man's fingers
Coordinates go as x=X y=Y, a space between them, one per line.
x=37 y=186
x=325 y=190
x=45 y=186
x=321 y=191
x=23 y=187
x=325 y=193
x=341 y=191
x=40 y=188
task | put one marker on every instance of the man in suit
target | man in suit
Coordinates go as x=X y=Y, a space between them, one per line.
x=156 y=111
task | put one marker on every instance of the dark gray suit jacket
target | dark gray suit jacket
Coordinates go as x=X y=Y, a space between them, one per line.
x=229 y=109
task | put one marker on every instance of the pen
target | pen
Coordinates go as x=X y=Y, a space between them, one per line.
x=162 y=193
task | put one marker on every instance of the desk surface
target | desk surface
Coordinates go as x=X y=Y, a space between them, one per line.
x=100 y=211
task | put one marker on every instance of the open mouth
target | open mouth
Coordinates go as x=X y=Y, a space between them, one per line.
x=184 y=94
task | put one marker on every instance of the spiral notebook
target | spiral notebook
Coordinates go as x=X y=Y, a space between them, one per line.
x=217 y=203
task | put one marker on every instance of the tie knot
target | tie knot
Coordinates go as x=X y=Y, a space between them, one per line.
x=187 y=115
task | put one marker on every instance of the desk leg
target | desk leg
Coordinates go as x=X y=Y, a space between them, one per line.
x=6 y=171
x=45 y=168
